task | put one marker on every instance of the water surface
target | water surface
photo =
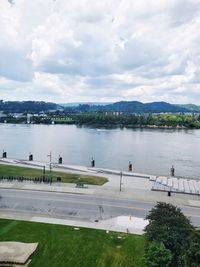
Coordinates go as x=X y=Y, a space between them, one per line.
x=150 y=150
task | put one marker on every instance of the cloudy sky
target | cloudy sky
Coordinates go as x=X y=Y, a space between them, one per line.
x=105 y=51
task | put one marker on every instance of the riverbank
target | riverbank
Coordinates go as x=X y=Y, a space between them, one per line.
x=111 y=126
x=128 y=126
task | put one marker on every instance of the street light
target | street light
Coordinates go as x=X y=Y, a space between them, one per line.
x=50 y=166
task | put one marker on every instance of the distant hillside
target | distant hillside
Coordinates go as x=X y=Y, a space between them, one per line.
x=135 y=107
x=27 y=106
x=158 y=107
x=126 y=106
x=76 y=104
x=190 y=107
x=122 y=106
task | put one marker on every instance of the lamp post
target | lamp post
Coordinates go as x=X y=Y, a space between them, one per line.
x=50 y=165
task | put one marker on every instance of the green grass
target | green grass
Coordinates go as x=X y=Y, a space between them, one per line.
x=8 y=170
x=63 y=246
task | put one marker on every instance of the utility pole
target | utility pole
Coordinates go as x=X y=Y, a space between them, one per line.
x=120 y=181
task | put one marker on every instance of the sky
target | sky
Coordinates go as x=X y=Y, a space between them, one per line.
x=100 y=51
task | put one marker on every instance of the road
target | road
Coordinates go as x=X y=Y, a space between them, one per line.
x=78 y=206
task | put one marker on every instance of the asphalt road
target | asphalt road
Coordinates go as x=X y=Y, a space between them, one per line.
x=91 y=207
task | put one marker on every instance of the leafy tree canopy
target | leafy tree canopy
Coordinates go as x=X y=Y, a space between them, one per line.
x=191 y=256
x=157 y=255
x=167 y=224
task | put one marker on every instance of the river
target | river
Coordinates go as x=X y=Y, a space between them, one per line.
x=150 y=150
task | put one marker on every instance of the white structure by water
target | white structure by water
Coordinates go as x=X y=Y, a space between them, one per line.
x=174 y=184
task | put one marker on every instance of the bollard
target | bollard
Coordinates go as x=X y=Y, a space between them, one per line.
x=30 y=157
x=93 y=163
x=60 y=160
x=169 y=193
x=172 y=171
x=4 y=154
x=130 y=167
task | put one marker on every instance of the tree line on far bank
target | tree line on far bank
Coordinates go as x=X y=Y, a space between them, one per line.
x=140 y=120
x=99 y=119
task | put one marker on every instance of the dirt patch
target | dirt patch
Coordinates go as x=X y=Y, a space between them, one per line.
x=16 y=253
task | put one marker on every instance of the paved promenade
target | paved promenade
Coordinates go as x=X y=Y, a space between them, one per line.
x=134 y=186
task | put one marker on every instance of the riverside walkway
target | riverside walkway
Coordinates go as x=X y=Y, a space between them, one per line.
x=141 y=189
x=130 y=179
x=141 y=185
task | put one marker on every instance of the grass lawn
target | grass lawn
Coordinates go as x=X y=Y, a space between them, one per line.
x=8 y=170
x=63 y=246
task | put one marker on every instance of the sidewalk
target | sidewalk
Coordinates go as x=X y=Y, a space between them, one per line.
x=123 y=224
x=55 y=187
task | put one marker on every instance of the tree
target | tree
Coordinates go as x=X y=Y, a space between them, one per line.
x=191 y=255
x=167 y=224
x=157 y=255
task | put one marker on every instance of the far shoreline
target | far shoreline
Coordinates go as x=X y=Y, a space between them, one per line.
x=110 y=126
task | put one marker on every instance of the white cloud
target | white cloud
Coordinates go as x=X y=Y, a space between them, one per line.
x=84 y=50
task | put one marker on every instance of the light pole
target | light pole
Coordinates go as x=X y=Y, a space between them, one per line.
x=120 y=181
x=43 y=173
x=50 y=166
